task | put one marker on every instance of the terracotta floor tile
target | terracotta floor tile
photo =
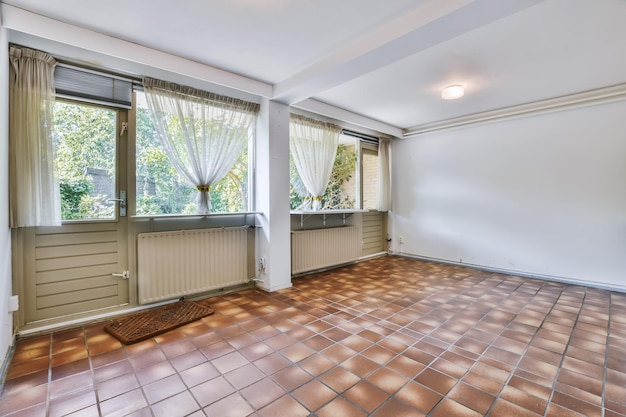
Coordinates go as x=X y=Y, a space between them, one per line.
x=385 y=337
x=229 y=362
x=112 y=370
x=284 y=406
x=262 y=393
x=471 y=397
x=72 y=383
x=272 y=363
x=28 y=367
x=388 y=380
x=360 y=365
x=338 y=353
x=163 y=388
x=244 y=376
x=313 y=395
x=297 y=352
x=339 y=379
x=483 y=383
x=419 y=396
x=292 y=377
x=155 y=372
x=70 y=403
x=340 y=407
x=450 y=407
x=179 y=405
x=522 y=399
x=211 y=391
x=21 y=383
x=576 y=405
x=23 y=399
x=503 y=408
x=232 y=406
x=316 y=364
x=436 y=381
x=395 y=408
x=366 y=396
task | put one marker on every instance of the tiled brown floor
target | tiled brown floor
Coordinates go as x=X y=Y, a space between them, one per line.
x=387 y=337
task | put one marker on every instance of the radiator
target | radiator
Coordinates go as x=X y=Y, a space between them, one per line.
x=174 y=264
x=321 y=248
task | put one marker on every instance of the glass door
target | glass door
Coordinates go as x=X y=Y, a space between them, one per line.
x=80 y=266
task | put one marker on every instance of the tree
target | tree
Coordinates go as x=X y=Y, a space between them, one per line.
x=84 y=137
x=334 y=197
x=85 y=142
x=172 y=194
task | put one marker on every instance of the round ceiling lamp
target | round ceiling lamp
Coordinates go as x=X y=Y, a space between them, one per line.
x=452 y=92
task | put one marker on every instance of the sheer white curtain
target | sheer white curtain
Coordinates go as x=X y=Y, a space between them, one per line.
x=202 y=133
x=34 y=194
x=313 y=146
x=384 y=194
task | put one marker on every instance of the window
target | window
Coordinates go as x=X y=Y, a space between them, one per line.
x=353 y=183
x=369 y=174
x=161 y=190
x=84 y=138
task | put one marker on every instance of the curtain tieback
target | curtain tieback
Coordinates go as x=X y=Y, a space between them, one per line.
x=317 y=198
x=203 y=188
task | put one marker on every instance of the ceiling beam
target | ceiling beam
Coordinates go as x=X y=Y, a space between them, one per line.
x=342 y=115
x=429 y=24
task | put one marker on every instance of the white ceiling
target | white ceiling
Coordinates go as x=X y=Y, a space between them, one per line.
x=386 y=60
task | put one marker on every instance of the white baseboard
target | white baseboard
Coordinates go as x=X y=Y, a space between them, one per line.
x=564 y=280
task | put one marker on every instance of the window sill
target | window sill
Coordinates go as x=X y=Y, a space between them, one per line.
x=305 y=214
x=191 y=216
x=325 y=212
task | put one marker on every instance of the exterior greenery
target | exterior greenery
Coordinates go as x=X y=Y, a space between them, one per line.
x=85 y=146
x=160 y=190
x=85 y=164
x=84 y=137
x=335 y=197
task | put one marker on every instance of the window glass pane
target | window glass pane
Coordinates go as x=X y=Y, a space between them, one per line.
x=370 y=178
x=85 y=146
x=161 y=190
x=341 y=190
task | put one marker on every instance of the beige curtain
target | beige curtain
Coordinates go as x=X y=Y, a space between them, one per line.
x=34 y=196
x=384 y=176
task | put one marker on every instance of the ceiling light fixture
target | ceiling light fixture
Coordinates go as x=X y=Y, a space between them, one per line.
x=452 y=92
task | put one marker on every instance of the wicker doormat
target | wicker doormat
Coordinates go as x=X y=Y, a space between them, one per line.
x=142 y=326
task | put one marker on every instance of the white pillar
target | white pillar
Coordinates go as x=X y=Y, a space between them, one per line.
x=273 y=237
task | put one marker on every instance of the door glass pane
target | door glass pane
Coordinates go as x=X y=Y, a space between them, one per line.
x=85 y=146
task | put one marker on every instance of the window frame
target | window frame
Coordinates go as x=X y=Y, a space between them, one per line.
x=362 y=141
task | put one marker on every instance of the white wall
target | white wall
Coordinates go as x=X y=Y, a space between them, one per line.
x=6 y=319
x=543 y=195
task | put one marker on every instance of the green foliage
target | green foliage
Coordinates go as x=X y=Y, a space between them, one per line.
x=73 y=194
x=172 y=194
x=84 y=137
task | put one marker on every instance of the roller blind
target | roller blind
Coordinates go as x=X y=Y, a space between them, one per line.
x=92 y=86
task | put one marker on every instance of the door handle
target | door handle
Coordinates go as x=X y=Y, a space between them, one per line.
x=122 y=202
x=124 y=275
